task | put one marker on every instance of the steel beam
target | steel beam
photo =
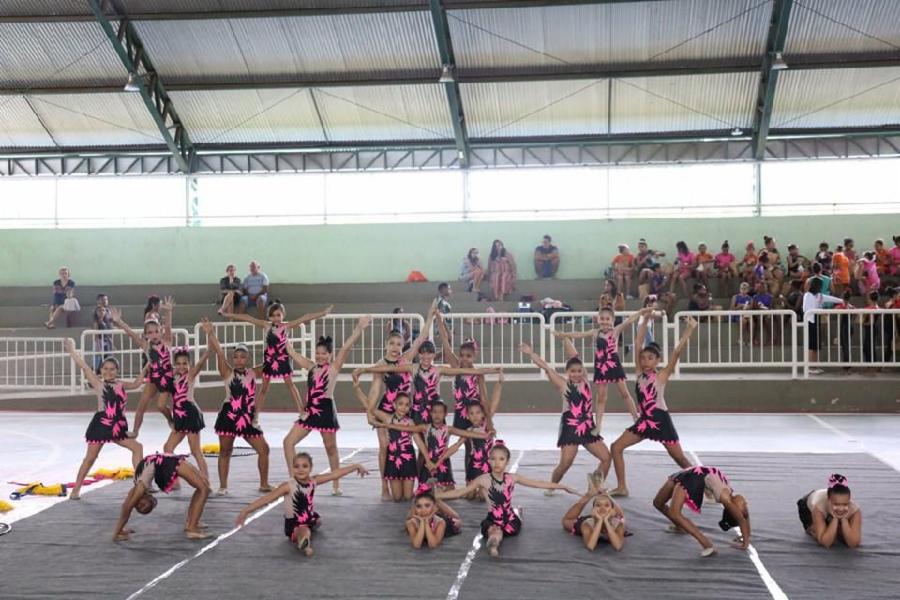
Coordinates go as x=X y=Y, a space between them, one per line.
x=451 y=88
x=262 y=13
x=131 y=52
x=768 y=78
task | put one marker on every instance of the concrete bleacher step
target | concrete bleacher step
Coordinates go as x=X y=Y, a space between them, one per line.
x=325 y=293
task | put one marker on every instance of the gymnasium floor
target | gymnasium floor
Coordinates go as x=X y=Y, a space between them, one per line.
x=61 y=548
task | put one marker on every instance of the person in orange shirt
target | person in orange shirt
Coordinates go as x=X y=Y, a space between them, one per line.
x=705 y=264
x=623 y=266
x=749 y=262
x=882 y=258
x=840 y=268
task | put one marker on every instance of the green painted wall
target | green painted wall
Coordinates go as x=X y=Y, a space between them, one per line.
x=367 y=253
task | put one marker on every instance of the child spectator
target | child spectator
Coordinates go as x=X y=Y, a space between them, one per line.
x=71 y=307
x=623 y=266
x=705 y=263
x=840 y=268
x=749 y=262
x=685 y=264
x=867 y=274
x=103 y=344
x=797 y=265
x=823 y=257
x=726 y=269
x=442 y=302
x=775 y=267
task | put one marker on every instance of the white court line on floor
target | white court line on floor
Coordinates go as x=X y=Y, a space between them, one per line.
x=774 y=589
x=848 y=438
x=153 y=582
x=466 y=564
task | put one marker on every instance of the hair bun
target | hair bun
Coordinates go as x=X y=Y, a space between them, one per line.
x=837 y=479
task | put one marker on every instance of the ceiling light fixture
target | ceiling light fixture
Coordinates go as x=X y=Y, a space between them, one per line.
x=448 y=74
x=778 y=63
x=737 y=131
x=132 y=85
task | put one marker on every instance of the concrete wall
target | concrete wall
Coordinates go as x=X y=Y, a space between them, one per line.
x=383 y=252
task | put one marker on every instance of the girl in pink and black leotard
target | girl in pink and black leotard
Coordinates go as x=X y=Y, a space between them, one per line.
x=688 y=487
x=497 y=487
x=108 y=424
x=276 y=360
x=320 y=408
x=605 y=521
x=399 y=468
x=430 y=520
x=654 y=422
x=187 y=418
x=238 y=415
x=576 y=423
x=300 y=516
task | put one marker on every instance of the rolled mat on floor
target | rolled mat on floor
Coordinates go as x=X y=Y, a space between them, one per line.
x=5 y=506
x=213 y=449
x=37 y=489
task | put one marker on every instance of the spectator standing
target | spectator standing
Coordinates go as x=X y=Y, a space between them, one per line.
x=840 y=268
x=471 y=272
x=814 y=299
x=502 y=271
x=623 y=266
x=103 y=302
x=882 y=259
x=850 y=253
x=61 y=288
x=546 y=259
x=867 y=274
x=151 y=311
x=102 y=321
x=894 y=254
x=230 y=285
x=255 y=290
x=71 y=307
x=797 y=264
x=823 y=257
x=442 y=302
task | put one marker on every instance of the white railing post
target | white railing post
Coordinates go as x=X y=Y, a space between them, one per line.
x=793 y=345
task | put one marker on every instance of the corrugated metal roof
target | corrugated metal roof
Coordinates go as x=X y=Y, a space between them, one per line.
x=836 y=98
x=249 y=116
x=19 y=126
x=609 y=33
x=47 y=53
x=240 y=49
x=97 y=119
x=400 y=112
x=43 y=7
x=827 y=26
x=75 y=7
x=689 y=103
x=535 y=108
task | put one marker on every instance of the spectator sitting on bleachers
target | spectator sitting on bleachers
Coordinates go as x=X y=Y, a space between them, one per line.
x=749 y=262
x=705 y=262
x=255 y=290
x=775 y=267
x=797 y=265
x=230 y=285
x=701 y=300
x=685 y=264
x=546 y=259
x=823 y=257
x=646 y=262
x=726 y=269
x=501 y=271
x=60 y=288
x=611 y=297
x=151 y=311
x=623 y=265
x=471 y=272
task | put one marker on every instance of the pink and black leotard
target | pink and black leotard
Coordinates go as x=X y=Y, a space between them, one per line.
x=299 y=508
x=654 y=422
x=500 y=510
x=394 y=384
x=437 y=440
x=697 y=480
x=239 y=409
x=425 y=393
x=607 y=366
x=186 y=414
x=320 y=384
x=477 y=452
x=576 y=424
x=161 y=469
x=161 y=374
x=109 y=423
x=400 y=462
x=466 y=392
x=277 y=361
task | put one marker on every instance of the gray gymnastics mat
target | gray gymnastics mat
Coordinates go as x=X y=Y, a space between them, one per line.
x=361 y=551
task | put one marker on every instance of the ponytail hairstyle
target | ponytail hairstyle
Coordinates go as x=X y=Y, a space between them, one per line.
x=682 y=247
x=325 y=341
x=654 y=349
x=276 y=305
x=501 y=446
x=838 y=484
x=153 y=303
x=869 y=255
x=469 y=344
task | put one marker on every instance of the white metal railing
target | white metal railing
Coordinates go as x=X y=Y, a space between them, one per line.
x=97 y=344
x=742 y=339
x=498 y=336
x=861 y=338
x=36 y=363
x=579 y=322
x=234 y=333
x=369 y=349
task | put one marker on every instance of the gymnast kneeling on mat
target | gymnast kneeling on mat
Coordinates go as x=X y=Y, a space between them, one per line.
x=830 y=514
x=430 y=520
x=300 y=516
x=688 y=487
x=605 y=522
x=497 y=486
x=165 y=469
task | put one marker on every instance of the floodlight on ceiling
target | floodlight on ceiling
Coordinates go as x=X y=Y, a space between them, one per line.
x=132 y=85
x=448 y=74
x=737 y=131
x=778 y=63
